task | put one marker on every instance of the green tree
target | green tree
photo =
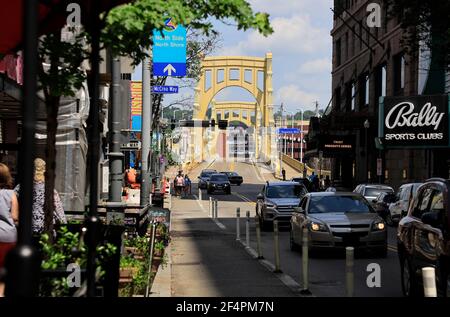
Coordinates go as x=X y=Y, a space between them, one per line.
x=126 y=30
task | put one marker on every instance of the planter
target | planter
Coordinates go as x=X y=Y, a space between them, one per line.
x=126 y=274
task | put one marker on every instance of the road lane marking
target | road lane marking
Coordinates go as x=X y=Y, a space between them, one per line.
x=217 y=222
x=258 y=174
x=286 y=279
x=243 y=198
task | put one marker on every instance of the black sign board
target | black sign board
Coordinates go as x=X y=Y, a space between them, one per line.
x=414 y=122
x=336 y=144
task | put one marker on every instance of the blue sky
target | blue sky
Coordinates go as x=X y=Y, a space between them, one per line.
x=301 y=47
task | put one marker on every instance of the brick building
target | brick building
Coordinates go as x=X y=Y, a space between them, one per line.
x=369 y=63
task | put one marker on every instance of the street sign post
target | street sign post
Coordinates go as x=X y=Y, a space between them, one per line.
x=289 y=131
x=169 y=50
x=165 y=89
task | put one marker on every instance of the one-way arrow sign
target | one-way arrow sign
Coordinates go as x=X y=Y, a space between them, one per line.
x=169 y=69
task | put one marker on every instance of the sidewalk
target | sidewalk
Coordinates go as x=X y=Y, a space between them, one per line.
x=207 y=261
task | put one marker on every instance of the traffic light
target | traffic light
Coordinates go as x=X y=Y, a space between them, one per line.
x=172 y=124
x=213 y=123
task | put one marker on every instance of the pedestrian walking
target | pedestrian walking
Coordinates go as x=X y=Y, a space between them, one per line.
x=187 y=185
x=283 y=172
x=9 y=216
x=38 y=200
x=179 y=183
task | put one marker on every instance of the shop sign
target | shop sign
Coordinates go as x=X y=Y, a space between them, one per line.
x=336 y=144
x=418 y=121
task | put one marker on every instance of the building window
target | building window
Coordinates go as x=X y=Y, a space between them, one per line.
x=337 y=98
x=353 y=93
x=381 y=76
x=364 y=90
x=383 y=80
x=346 y=47
x=349 y=98
x=399 y=74
x=338 y=53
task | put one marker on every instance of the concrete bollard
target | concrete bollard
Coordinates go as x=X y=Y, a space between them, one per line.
x=277 y=246
x=258 y=238
x=200 y=194
x=429 y=282
x=238 y=228
x=349 y=264
x=211 y=207
x=247 y=229
x=216 y=209
x=305 y=261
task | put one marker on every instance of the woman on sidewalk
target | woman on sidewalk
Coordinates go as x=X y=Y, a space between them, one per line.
x=9 y=216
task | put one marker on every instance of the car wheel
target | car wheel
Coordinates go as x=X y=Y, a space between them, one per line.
x=294 y=246
x=409 y=282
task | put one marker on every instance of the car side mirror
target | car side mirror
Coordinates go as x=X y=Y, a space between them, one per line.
x=260 y=197
x=374 y=201
x=431 y=218
x=299 y=210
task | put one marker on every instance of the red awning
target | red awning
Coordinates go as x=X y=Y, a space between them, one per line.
x=52 y=16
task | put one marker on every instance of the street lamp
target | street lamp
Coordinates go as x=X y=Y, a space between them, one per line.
x=292 y=134
x=174 y=113
x=366 y=128
x=301 y=136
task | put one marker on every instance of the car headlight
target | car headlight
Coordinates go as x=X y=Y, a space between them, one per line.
x=317 y=227
x=271 y=206
x=379 y=225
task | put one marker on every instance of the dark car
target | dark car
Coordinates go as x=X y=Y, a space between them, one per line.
x=381 y=205
x=219 y=182
x=277 y=201
x=234 y=178
x=338 y=220
x=204 y=177
x=424 y=238
x=304 y=181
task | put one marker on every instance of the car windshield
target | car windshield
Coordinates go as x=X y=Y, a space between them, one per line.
x=374 y=192
x=219 y=178
x=338 y=204
x=286 y=191
x=206 y=174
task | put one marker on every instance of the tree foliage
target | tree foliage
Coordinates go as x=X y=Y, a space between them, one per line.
x=128 y=27
x=419 y=18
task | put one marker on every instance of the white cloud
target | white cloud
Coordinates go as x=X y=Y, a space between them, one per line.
x=316 y=66
x=294 y=98
x=291 y=36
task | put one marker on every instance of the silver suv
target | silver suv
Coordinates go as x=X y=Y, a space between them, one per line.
x=371 y=191
x=277 y=201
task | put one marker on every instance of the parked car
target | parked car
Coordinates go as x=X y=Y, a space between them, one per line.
x=219 y=182
x=337 y=220
x=424 y=238
x=204 y=177
x=277 y=201
x=234 y=178
x=304 y=181
x=381 y=205
x=404 y=196
x=371 y=191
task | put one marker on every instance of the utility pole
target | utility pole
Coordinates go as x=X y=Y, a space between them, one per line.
x=301 y=136
x=147 y=118
x=115 y=205
x=281 y=145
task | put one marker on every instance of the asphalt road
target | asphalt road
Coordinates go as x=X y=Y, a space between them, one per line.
x=327 y=269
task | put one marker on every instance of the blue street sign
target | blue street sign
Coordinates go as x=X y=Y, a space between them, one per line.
x=169 y=50
x=289 y=131
x=165 y=89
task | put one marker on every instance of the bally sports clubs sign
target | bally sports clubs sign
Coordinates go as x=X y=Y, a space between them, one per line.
x=418 y=121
